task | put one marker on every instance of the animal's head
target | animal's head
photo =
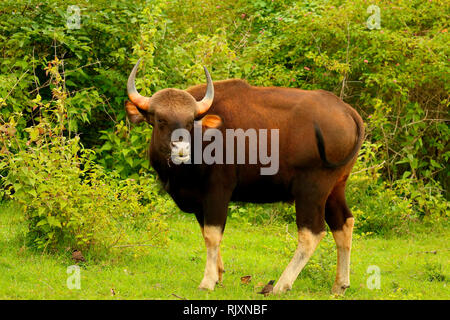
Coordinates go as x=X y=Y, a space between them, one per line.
x=168 y=110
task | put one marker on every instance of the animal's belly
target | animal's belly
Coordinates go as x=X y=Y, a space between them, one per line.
x=261 y=193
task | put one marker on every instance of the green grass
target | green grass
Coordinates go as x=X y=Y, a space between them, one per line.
x=408 y=269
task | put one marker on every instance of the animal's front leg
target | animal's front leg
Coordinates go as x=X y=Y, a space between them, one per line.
x=220 y=268
x=213 y=236
x=215 y=207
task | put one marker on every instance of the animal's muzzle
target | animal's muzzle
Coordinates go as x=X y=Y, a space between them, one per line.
x=180 y=152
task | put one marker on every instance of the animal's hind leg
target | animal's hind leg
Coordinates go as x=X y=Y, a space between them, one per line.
x=307 y=244
x=340 y=221
x=311 y=229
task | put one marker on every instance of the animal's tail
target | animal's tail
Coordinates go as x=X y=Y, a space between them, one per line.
x=321 y=144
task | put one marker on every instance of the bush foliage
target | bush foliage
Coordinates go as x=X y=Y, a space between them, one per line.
x=397 y=77
x=68 y=199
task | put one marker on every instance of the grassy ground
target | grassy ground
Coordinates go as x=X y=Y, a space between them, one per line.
x=412 y=267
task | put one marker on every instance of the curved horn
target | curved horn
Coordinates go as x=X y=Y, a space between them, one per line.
x=204 y=105
x=140 y=101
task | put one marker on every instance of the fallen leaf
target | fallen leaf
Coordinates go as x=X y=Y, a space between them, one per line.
x=246 y=279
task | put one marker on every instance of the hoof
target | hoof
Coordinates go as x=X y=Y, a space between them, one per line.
x=339 y=289
x=281 y=288
x=207 y=284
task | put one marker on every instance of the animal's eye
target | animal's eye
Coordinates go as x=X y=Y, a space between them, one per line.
x=161 y=122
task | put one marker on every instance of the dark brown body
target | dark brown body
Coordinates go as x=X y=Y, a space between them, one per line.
x=302 y=173
x=319 y=139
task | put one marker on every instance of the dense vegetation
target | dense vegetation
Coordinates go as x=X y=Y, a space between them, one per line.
x=71 y=158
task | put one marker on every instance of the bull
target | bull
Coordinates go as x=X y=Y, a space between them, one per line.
x=319 y=139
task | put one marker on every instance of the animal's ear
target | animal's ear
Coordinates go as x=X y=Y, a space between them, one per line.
x=211 y=121
x=135 y=114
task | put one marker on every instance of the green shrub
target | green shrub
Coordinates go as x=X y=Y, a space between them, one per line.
x=67 y=198
x=125 y=150
x=383 y=208
x=70 y=201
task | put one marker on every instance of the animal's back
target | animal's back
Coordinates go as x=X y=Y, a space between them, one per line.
x=291 y=110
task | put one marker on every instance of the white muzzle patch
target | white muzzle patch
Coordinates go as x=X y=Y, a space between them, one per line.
x=180 y=152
